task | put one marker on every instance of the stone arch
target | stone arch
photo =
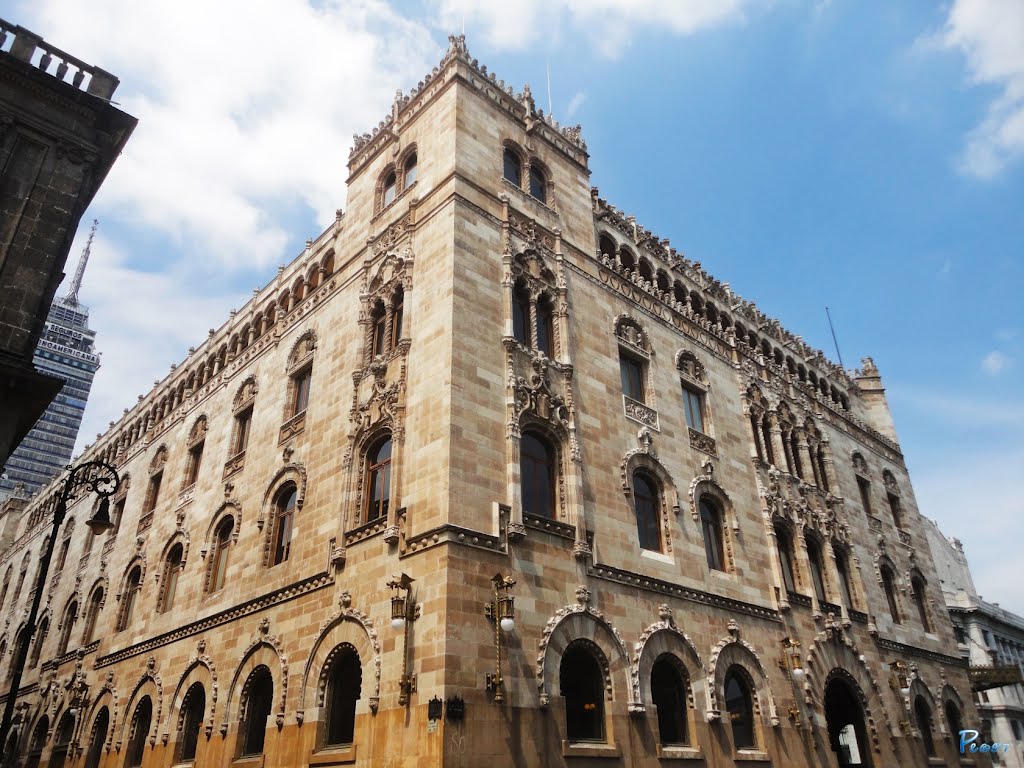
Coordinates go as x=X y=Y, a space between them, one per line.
x=581 y=622
x=690 y=366
x=355 y=629
x=629 y=331
x=833 y=653
x=950 y=695
x=295 y=473
x=645 y=460
x=660 y=638
x=706 y=485
x=107 y=697
x=302 y=350
x=178 y=537
x=200 y=669
x=199 y=429
x=149 y=683
x=265 y=650
x=140 y=561
x=245 y=393
x=229 y=507
x=919 y=688
x=732 y=652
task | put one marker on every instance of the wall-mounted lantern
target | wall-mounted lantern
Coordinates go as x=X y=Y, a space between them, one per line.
x=404 y=611
x=502 y=612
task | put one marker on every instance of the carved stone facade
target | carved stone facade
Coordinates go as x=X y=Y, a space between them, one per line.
x=450 y=316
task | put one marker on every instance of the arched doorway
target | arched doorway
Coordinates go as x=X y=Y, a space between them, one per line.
x=847 y=734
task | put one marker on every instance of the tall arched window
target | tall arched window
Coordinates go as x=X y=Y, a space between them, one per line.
x=817 y=569
x=397 y=316
x=379 y=318
x=259 y=698
x=378 y=480
x=923 y=716
x=512 y=167
x=521 y=314
x=917 y=584
x=344 y=688
x=37 y=649
x=714 y=534
x=172 y=571
x=390 y=188
x=538 y=184
x=142 y=719
x=582 y=684
x=62 y=741
x=740 y=704
x=131 y=596
x=668 y=690
x=545 y=326
x=889 y=586
x=35 y=746
x=785 y=544
x=646 y=505
x=6 y=586
x=284 y=519
x=843 y=566
x=99 y=735
x=954 y=721
x=92 y=615
x=70 y=617
x=193 y=709
x=219 y=563
x=537 y=467
x=409 y=171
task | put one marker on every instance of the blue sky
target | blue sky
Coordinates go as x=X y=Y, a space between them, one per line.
x=863 y=154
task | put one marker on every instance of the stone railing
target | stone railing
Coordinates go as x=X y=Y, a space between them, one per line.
x=52 y=60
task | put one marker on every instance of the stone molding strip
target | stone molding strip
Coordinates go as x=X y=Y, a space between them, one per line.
x=921 y=653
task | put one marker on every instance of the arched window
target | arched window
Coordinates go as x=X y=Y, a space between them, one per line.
x=92 y=615
x=221 y=542
x=37 y=649
x=740 y=704
x=62 y=741
x=917 y=584
x=378 y=480
x=817 y=569
x=668 y=690
x=954 y=721
x=545 y=326
x=923 y=716
x=301 y=381
x=70 y=617
x=409 y=171
x=379 y=320
x=538 y=184
x=582 y=684
x=284 y=519
x=193 y=708
x=397 y=316
x=99 y=735
x=646 y=504
x=35 y=746
x=131 y=596
x=843 y=566
x=142 y=719
x=606 y=246
x=6 y=586
x=512 y=167
x=521 y=314
x=889 y=586
x=344 y=688
x=172 y=570
x=537 y=467
x=714 y=533
x=785 y=544
x=631 y=372
x=256 y=709
x=390 y=188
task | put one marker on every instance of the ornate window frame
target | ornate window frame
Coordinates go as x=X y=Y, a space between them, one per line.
x=633 y=344
x=402 y=185
x=243 y=411
x=299 y=372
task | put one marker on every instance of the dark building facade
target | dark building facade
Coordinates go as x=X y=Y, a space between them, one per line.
x=59 y=137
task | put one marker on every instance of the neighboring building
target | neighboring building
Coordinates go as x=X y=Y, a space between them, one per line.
x=483 y=381
x=59 y=136
x=65 y=351
x=992 y=640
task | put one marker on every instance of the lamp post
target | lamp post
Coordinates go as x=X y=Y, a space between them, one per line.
x=97 y=477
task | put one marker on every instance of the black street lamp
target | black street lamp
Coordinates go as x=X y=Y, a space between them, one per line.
x=91 y=476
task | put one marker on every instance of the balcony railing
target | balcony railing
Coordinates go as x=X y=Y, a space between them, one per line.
x=33 y=50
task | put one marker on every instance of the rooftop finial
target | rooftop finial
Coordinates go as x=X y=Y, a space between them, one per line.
x=76 y=281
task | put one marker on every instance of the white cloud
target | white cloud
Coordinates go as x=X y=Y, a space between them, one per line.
x=574 y=104
x=608 y=24
x=989 y=34
x=243 y=107
x=995 y=362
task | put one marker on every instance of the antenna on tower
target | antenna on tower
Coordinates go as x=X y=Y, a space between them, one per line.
x=548 y=65
x=76 y=281
x=834 y=340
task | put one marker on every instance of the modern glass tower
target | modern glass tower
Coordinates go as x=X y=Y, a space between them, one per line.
x=65 y=350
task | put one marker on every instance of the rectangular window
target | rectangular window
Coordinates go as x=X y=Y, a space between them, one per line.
x=300 y=399
x=865 y=493
x=693 y=407
x=243 y=422
x=896 y=509
x=195 y=459
x=632 y=374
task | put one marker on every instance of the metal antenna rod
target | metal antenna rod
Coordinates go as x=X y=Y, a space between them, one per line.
x=76 y=281
x=834 y=340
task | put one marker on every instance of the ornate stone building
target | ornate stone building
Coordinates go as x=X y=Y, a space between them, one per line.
x=485 y=384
